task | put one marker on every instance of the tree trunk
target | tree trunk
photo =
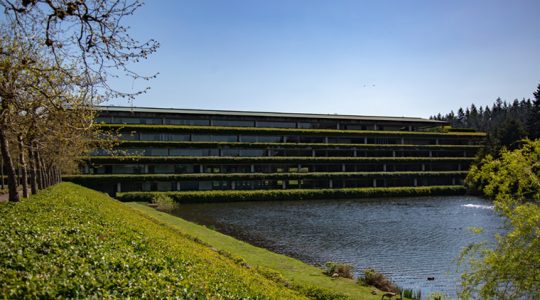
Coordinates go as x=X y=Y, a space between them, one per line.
x=46 y=177
x=22 y=162
x=10 y=168
x=2 y=173
x=41 y=182
x=33 y=171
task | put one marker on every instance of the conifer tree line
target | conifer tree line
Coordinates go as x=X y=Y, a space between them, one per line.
x=56 y=59
x=506 y=123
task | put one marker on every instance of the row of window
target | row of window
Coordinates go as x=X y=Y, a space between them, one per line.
x=195 y=137
x=235 y=152
x=251 y=123
x=283 y=184
x=274 y=168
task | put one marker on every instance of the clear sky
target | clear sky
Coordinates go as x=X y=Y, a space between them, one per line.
x=399 y=58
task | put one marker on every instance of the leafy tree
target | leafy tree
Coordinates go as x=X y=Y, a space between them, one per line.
x=56 y=57
x=512 y=269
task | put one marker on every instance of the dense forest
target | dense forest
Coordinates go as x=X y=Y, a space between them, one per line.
x=507 y=123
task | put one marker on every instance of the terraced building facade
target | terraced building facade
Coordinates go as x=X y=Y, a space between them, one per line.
x=193 y=150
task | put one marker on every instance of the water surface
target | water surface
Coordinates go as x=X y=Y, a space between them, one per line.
x=408 y=239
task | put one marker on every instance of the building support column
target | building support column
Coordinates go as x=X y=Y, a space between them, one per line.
x=384 y=167
x=118 y=187
x=355 y=152
x=374 y=182
x=313 y=152
x=252 y=168
x=453 y=181
x=430 y=153
x=459 y=166
x=283 y=185
x=233 y=185
x=342 y=167
x=423 y=167
x=178 y=185
x=415 y=182
x=331 y=183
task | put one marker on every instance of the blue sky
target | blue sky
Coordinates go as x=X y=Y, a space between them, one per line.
x=399 y=58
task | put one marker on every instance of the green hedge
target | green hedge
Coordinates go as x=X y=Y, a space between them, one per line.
x=292 y=145
x=299 y=194
x=274 y=159
x=324 y=132
x=82 y=179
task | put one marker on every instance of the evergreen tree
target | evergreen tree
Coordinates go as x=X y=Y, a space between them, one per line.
x=533 y=122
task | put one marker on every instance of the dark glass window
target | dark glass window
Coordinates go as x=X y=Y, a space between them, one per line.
x=276 y=124
x=189 y=122
x=233 y=123
x=148 y=136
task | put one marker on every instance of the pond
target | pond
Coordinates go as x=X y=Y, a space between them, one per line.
x=407 y=239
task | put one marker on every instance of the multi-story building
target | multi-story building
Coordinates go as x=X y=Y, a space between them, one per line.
x=185 y=150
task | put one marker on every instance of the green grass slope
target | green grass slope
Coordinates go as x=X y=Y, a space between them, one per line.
x=295 y=272
x=72 y=242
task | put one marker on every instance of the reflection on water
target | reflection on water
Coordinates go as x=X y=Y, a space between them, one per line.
x=408 y=239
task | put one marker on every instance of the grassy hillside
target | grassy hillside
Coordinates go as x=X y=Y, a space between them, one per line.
x=293 y=271
x=69 y=241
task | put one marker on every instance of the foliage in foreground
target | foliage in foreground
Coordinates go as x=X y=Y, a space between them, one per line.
x=512 y=269
x=71 y=242
x=296 y=194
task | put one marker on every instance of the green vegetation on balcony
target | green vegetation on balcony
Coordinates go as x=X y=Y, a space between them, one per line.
x=294 y=194
x=82 y=179
x=252 y=130
x=294 y=145
x=274 y=159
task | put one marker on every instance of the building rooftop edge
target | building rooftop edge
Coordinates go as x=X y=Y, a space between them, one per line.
x=266 y=114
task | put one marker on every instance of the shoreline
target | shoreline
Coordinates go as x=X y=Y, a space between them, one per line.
x=292 y=269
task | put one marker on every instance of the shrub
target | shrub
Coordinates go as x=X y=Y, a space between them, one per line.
x=339 y=269
x=378 y=280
